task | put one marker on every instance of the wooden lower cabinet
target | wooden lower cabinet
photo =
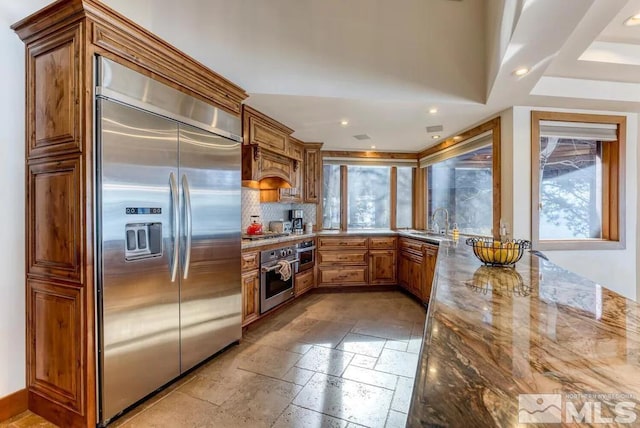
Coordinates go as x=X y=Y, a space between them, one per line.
x=356 y=260
x=250 y=296
x=382 y=267
x=416 y=267
x=303 y=282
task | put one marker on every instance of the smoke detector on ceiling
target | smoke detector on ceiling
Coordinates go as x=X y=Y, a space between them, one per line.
x=362 y=137
x=435 y=128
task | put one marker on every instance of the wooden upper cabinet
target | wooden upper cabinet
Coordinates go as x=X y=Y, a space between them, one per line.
x=54 y=66
x=312 y=172
x=296 y=149
x=265 y=132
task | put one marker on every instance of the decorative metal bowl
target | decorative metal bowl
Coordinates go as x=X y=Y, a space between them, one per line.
x=498 y=253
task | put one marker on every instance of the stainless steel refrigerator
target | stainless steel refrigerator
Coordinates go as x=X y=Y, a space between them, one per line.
x=168 y=234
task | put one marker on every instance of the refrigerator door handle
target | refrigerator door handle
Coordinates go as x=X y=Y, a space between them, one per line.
x=176 y=215
x=189 y=224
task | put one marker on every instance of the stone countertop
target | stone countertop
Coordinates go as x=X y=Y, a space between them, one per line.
x=356 y=232
x=492 y=334
x=247 y=244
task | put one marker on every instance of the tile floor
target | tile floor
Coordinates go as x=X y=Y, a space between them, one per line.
x=328 y=360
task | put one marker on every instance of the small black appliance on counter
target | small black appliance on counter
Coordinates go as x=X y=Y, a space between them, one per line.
x=297 y=221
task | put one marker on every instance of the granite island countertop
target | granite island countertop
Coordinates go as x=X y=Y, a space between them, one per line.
x=492 y=334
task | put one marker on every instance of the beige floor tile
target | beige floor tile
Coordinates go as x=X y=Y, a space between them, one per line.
x=371 y=377
x=215 y=387
x=262 y=400
x=345 y=399
x=396 y=420
x=398 y=345
x=385 y=329
x=324 y=360
x=363 y=361
x=370 y=346
x=178 y=409
x=326 y=333
x=268 y=361
x=402 y=396
x=397 y=362
x=298 y=417
x=298 y=376
x=285 y=340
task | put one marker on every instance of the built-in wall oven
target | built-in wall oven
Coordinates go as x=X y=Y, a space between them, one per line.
x=274 y=288
x=306 y=251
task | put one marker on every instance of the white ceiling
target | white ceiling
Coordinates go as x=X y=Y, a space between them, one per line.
x=382 y=64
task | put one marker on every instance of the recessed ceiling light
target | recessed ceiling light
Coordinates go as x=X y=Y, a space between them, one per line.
x=457 y=137
x=373 y=147
x=433 y=110
x=520 y=71
x=632 y=21
x=435 y=137
x=344 y=122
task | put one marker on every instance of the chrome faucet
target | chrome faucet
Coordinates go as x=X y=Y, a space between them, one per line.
x=446 y=219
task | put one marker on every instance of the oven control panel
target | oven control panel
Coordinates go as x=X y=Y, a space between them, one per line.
x=268 y=256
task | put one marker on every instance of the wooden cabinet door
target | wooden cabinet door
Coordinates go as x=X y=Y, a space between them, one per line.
x=403 y=270
x=303 y=282
x=410 y=272
x=382 y=242
x=250 y=297
x=431 y=254
x=312 y=175
x=382 y=267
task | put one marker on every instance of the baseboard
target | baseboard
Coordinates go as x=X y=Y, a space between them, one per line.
x=13 y=404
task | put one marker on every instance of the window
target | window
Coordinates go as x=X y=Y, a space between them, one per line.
x=331 y=197
x=369 y=197
x=463 y=185
x=404 y=202
x=364 y=193
x=463 y=177
x=575 y=177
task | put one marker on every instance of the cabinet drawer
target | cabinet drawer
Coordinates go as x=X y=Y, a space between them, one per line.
x=303 y=282
x=382 y=243
x=411 y=256
x=343 y=257
x=343 y=276
x=411 y=245
x=340 y=242
x=250 y=261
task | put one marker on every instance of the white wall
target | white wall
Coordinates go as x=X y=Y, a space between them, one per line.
x=615 y=269
x=12 y=306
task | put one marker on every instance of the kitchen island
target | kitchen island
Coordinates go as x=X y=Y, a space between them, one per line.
x=492 y=334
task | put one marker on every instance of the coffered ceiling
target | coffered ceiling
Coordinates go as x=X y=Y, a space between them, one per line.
x=382 y=65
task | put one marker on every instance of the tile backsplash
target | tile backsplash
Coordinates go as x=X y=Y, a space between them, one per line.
x=270 y=211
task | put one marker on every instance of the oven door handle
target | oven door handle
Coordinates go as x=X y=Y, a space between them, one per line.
x=272 y=268
x=301 y=250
